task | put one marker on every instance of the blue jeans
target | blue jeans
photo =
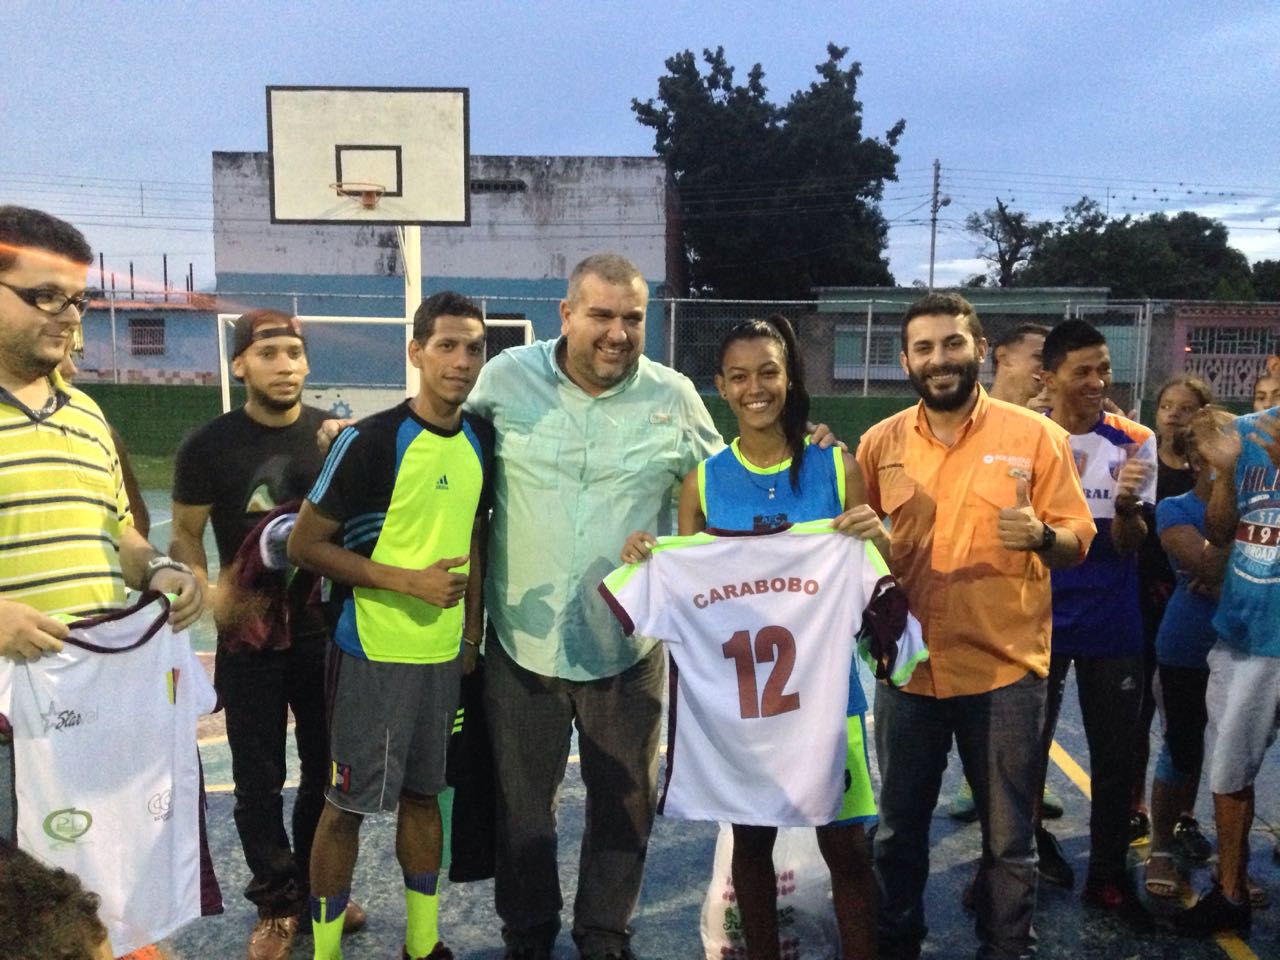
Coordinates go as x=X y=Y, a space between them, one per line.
x=998 y=736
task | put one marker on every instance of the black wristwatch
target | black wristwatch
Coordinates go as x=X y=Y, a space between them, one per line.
x=1047 y=540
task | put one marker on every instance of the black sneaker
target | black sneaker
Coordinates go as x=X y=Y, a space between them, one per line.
x=1053 y=866
x=438 y=952
x=1212 y=913
x=1192 y=844
x=1139 y=828
x=534 y=943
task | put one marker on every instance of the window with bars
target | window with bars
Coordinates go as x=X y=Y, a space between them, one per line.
x=851 y=352
x=498 y=186
x=1257 y=341
x=146 y=336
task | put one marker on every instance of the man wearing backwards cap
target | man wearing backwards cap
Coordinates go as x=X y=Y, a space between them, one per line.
x=233 y=471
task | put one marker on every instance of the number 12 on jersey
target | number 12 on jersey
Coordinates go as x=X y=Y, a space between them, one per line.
x=740 y=650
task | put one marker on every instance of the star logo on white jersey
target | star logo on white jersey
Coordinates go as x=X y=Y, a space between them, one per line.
x=55 y=719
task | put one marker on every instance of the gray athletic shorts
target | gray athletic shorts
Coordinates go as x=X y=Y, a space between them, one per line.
x=389 y=727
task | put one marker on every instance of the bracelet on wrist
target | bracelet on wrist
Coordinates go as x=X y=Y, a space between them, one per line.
x=470 y=643
x=156 y=564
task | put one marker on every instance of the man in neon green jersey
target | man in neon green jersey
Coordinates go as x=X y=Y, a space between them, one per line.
x=395 y=520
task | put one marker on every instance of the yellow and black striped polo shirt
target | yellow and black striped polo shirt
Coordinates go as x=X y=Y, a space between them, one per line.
x=62 y=505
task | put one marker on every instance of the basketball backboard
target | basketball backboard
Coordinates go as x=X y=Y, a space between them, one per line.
x=330 y=146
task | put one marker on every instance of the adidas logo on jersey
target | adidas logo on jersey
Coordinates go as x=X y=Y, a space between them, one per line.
x=443 y=482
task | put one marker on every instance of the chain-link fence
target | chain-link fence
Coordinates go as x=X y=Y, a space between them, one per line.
x=851 y=345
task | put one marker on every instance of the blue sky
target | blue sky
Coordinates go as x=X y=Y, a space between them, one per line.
x=110 y=111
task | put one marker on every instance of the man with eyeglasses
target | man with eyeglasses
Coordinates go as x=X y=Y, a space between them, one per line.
x=67 y=540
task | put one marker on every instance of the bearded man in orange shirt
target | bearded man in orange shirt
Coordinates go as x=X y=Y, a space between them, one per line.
x=984 y=500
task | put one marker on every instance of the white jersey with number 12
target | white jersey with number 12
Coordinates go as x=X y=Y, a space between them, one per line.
x=761 y=631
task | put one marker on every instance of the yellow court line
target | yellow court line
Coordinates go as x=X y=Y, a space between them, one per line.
x=1075 y=773
x=1234 y=947
x=1231 y=945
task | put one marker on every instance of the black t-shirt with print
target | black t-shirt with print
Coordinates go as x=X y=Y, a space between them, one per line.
x=243 y=469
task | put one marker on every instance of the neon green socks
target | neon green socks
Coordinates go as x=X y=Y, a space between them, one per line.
x=327 y=915
x=423 y=906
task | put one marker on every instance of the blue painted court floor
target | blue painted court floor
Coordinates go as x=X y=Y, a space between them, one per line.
x=677 y=874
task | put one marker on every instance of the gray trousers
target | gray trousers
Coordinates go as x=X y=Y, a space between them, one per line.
x=531 y=718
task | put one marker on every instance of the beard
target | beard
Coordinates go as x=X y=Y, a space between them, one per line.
x=952 y=399
x=264 y=399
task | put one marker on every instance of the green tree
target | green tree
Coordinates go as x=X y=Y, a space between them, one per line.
x=1183 y=257
x=1266 y=279
x=1008 y=239
x=773 y=200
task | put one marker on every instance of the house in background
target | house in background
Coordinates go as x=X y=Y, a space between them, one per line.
x=1225 y=344
x=155 y=338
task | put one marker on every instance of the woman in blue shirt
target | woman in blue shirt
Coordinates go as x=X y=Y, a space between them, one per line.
x=769 y=476
x=1182 y=645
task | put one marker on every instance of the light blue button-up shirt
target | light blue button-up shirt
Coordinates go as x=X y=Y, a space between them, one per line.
x=575 y=475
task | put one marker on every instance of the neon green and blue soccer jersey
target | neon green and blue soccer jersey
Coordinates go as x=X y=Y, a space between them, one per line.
x=407 y=494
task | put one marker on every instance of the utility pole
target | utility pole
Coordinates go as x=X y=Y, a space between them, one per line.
x=936 y=204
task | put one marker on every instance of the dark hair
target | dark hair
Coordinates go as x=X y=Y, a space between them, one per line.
x=22 y=228
x=1184 y=441
x=1015 y=336
x=446 y=303
x=1067 y=336
x=946 y=305
x=1203 y=392
x=609 y=267
x=48 y=914
x=795 y=409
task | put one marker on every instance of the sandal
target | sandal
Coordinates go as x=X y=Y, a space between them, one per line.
x=1167 y=881
x=1259 y=898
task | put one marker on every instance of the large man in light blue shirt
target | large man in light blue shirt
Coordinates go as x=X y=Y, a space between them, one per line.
x=592 y=437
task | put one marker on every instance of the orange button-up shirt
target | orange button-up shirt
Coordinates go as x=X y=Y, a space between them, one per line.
x=986 y=611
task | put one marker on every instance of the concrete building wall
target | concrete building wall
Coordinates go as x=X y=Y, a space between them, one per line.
x=531 y=218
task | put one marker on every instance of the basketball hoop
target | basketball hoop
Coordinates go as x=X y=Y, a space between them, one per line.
x=369 y=193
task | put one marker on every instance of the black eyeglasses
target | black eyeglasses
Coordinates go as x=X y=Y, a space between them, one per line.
x=48 y=300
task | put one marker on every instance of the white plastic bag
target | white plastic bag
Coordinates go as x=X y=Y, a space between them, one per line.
x=806 y=918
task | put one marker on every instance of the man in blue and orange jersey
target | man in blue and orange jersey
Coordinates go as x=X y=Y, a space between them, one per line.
x=1097 y=622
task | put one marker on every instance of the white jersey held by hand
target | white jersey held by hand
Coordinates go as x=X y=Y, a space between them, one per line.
x=106 y=770
x=761 y=630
